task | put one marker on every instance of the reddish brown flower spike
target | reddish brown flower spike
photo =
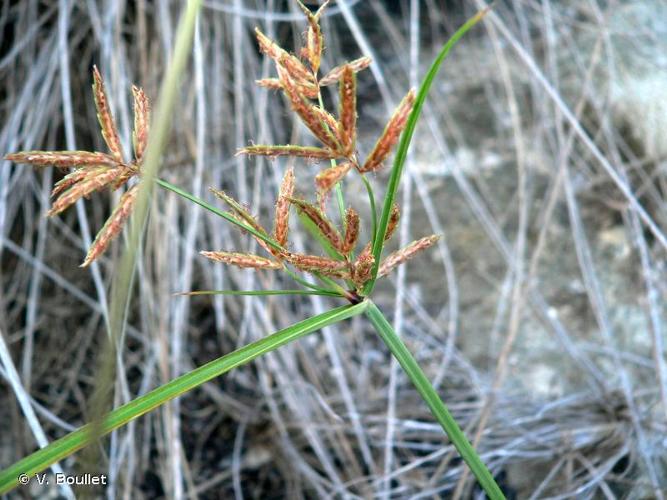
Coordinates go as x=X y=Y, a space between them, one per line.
x=316 y=264
x=348 y=109
x=351 y=230
x=92 y=181
x=269 y=83
x=320 y=220
x=394 y=218
x=68 y=181
x=314 y=42
x=243 y=215
x=243 y=260
x=113 y=226
x=288 y=150
x=107 y=123
x=281 y=224
x=335 y=74
x=305 y=111
x=390 y=135
x=327 y=179
x=362 y=268
x=62 y=159
x=141 y=120
x=331 y=123
x=400 y=256
x=295 y=68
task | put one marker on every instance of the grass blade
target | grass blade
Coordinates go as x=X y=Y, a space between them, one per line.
x=76 y=440
x=262 y=292
x=431 y=398
x=175 y=189
x=406 y=137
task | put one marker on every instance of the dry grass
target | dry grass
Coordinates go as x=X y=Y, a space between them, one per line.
x=540 y=316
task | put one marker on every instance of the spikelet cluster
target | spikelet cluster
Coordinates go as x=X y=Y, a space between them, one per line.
x=298 y=79
x=94 y=171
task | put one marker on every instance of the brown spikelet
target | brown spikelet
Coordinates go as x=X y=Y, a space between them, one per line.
x=307 y=88
x=390 y=136
x=314 y=263
x=239 y=209
x=269 y=83
x=94 y=180
x=141 y=120
x=320 y=220
x=331 y=125
x=107 y=123
x=366 y=251
x=113 y=225
x=129 y=171
x=314 y=42
x=362 y=268
x=327 y=179
x=243 y=260
x=281 y=223
x=328 y=119
x=68 y=181
x=295 y=68
x=335 y=74
x=351 y=230
x=288 y=150
x=394 y=218
x=348 y=110
x=400 y=256
x=62 y=159
x=243 y=215
x=304 y=110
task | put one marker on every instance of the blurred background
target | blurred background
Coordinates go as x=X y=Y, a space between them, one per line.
x=540 y=316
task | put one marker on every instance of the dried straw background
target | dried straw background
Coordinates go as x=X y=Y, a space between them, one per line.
x=540 y=314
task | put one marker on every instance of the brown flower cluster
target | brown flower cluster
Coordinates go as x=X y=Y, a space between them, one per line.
x=297 y=78
x=299 y=81
x=94 y=171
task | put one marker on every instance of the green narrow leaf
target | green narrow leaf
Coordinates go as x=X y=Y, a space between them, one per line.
x=262 y=292
x=175 y=189
x=76 y=440
x=435 y=404
x=406 y=137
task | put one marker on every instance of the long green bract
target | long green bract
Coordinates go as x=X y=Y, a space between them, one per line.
x=435 y=404
x=188 y=196
x=261 y=293
x=404 y=144
x=76 y=440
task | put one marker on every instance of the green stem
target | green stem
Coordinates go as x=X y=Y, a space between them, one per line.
x=371 y=201
x=338 y=188
x=431 y=398
x=65 y=446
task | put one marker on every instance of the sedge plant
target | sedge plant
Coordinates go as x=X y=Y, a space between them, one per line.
x=344 y=269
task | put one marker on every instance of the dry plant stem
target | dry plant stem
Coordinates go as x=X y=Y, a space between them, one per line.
x=122 y=283
x=87 y=434
x=431 y=398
